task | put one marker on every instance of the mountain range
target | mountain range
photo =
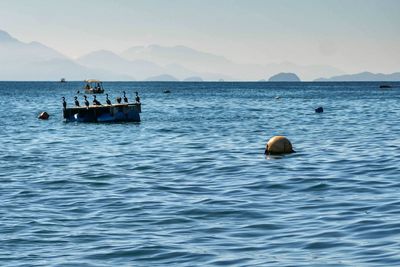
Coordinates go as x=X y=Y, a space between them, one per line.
x=363 y=76
x=35 y=61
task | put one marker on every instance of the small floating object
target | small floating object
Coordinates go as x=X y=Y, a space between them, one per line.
x=277 y=97
x=167 y=91
x=44 y=116
x=278 y=145
x=385 y=86
x=319 y=110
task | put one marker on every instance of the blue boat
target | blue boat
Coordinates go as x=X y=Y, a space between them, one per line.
x=104 y=113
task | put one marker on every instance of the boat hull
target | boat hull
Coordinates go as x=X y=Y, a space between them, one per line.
x=106 y=113
x=94 y=91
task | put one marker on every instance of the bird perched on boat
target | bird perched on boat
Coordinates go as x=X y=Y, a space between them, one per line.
x=76 y=102
x=108 y=100
x=137 y=98
x=95 y=101
x=64 y=103
x=125 y=98
x=86 y=101
x=119 y=100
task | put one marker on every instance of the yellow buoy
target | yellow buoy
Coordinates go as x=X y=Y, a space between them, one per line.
x=278 y=145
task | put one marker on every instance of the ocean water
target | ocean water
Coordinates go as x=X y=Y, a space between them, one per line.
x=190 y=185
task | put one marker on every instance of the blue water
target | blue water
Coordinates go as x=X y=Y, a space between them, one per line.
x=190 y=185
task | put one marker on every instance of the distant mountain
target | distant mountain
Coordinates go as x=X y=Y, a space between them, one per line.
x=13 y=51
x=162 y=78
x=363 y=76
x=187 y=57
x=5 y=37
x=107 y=60
x=139 y=68
x=35 y=61
x=213 y=67
x=284 y=77
x=193 y=79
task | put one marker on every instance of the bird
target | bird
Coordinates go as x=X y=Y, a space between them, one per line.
x=125 y=98
x=76 y=102
x=64 y=103
x=108 y=100
x=95 y=101
x=137 y=99
x=86 y=101
x=119 y=100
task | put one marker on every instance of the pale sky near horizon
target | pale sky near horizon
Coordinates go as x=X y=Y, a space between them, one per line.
x=352 y=35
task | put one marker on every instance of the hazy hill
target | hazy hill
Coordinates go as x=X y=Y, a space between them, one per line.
x=139 y=68
x=107 y=60
x=187 y=57
x=193 y=79
x=15 y=52
x=35 y=61
x=284 y=77
x=218 y=66
x=162 y=78
x=363 y=76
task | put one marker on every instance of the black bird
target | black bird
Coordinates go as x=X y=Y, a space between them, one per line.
x=86 y=101
x=108 y=100
x=125 y=98
x=95 y=101
x=137 y=99
x=119 y=100
x=76 y=102
x=64 y=103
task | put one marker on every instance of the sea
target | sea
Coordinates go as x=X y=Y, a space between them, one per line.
x=190 y=184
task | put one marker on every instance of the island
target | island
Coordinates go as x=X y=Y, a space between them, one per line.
x=284 y=77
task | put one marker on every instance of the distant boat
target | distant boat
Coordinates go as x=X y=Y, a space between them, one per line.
x=63 y=80
x=383 y=86
x=167 y=91
x=93 y=87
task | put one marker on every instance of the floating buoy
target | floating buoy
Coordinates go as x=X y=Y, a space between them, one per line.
x=278 y=145
x=319 y=110
x=44 y=116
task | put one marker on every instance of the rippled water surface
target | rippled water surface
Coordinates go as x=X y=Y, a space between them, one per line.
x=190 y=186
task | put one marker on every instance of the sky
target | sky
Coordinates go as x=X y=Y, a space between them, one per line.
x=351 y=35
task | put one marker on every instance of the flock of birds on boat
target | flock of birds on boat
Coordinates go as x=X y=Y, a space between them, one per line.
x=97 y=102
